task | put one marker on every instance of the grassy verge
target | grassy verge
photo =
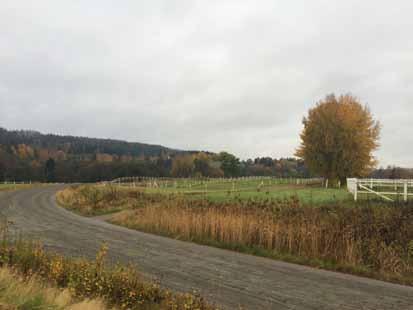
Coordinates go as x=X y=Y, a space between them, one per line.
x=89 y=200
x=13 y=187
x=371 y=239
x=17 y=292
x=342 y=240
x=119 y=286
x=273 y=254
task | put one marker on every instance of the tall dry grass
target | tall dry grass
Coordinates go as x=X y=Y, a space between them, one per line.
x=369 y=238
x=374 y=239
x=119 y=286
x=92 y=200
x=17 y=292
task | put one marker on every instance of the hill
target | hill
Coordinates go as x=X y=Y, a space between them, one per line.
x=80 y=145
x=31 y=155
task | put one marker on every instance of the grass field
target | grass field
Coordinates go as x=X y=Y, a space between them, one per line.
x=259 y=188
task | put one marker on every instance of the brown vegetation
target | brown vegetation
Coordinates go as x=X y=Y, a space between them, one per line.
x=119 y=286
x=96 y=200
x=377 y=240
x=30 y=292
x=370 y=238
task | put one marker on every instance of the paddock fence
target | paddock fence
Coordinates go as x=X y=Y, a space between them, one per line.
x=387 y=189
x=15 y=182
x=188 y=183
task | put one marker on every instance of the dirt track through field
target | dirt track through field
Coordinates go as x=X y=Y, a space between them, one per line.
x=227 y=278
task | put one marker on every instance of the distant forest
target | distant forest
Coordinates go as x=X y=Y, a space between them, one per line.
x=32 y=156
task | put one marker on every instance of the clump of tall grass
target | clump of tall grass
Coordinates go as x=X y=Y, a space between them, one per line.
x=17 y=292
x=375 y=240
x=119 y=286
x=91 y=200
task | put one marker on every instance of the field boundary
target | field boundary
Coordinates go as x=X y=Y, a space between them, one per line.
x=188 y=183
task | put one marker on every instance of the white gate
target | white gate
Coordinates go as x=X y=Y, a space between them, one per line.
x=381 y=187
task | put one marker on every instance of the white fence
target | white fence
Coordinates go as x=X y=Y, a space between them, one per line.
x=381 y=187
x=16 y=182
x=189 y=182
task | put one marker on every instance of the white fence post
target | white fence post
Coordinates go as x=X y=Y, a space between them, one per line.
x=355 y=190
x=405 y=191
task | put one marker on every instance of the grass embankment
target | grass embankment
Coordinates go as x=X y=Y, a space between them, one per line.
x=370 y=238
x=118 y=287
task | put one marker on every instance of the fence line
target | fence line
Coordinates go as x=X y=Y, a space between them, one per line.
x=156 y=182
x=15 y=182
x=381 y=187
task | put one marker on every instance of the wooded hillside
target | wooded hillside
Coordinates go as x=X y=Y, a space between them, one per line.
x=31 y=155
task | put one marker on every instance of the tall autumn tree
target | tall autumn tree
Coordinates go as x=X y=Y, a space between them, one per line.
x=182 y=166
x=338 y=139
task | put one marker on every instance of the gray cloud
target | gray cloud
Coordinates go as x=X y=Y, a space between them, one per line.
x=213 y=75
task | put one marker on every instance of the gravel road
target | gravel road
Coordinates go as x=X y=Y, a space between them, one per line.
x=226 y=278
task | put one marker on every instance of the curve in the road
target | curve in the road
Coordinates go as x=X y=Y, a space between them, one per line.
x=227 y=278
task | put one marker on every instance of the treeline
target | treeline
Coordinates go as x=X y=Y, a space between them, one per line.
x=227 y=165
x=393 y=172
x=14 y=168
x=30 y=155
x=71 y=145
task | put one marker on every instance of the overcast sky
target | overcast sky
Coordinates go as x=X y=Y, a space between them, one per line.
x=212 y=75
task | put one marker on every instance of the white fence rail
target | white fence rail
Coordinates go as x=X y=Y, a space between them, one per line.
x=15 y=182
x=167 y=182
x=381 y=187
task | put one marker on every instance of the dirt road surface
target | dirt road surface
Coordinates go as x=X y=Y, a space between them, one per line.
x=227 y=278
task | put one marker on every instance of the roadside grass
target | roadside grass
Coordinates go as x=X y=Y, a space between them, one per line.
x=12 y=187
x=373 y=241
x=92 y=283
x=89 y=200
x=17 y=292
x=369 y=238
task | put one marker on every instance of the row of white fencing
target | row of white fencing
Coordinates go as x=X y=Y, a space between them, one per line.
x=388 y=189
x=16 y=182
x=191 y=182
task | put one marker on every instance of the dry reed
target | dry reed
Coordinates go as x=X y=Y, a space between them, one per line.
x=379 y=239
x=369 y=238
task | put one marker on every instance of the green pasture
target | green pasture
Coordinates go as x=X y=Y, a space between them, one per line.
x=309 y=191
x=308 y=195
x=227 y=190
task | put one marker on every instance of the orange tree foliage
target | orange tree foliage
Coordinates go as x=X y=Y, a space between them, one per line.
x=339 y=137
x=182 y=166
